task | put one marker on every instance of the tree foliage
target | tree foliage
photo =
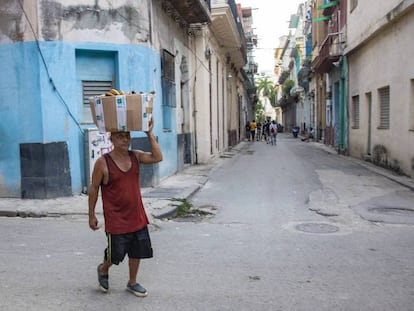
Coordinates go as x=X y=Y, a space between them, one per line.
x=287 y=86
x=267 y=89
x=259 y=112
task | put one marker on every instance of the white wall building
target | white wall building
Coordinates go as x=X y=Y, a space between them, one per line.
x=381 y=82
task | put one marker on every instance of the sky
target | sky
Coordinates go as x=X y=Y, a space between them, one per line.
x=271 y=21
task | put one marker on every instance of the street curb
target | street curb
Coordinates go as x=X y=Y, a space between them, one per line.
x=402 y=180
x=170 y=210
x=9 y=214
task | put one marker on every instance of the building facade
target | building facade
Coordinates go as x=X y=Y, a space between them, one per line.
x=381 y=82
x=329 y=68
x=56 y=54
x=356 y=76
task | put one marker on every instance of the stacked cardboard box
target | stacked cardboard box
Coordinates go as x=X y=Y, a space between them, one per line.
x=130 y=112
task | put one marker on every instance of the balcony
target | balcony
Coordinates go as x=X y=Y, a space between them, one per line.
x=251 y=68
x=285 y=74
x=328 y=7
x=304 y=74
x=227 y=28
x=329 y=53
x=189 y=12
x=251 y=40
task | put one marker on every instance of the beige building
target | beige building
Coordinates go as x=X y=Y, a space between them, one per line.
x=381 y=82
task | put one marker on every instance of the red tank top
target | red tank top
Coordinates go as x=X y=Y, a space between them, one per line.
x=122 y=202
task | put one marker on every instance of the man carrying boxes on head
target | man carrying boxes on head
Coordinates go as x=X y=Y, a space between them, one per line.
x=116 y=174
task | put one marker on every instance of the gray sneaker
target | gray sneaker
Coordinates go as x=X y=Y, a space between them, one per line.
x=103 y=280
x=137 y=290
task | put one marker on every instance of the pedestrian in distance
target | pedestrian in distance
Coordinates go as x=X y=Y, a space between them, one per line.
x=266 y=135
x=253 y=130
x=116 y=174
x=273 y=132
x=309 y=135
x=258 y=131
x=247 y=128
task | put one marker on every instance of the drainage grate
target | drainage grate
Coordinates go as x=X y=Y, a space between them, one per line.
x=317 y=228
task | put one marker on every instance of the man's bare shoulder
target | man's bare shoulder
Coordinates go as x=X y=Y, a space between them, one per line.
x=100 y=163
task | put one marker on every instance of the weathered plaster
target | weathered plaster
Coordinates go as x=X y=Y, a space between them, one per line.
x=129 y=23
x=11 y=22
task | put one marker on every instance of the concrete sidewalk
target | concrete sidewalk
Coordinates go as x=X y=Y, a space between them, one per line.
x=400 y=179
x=158 y=200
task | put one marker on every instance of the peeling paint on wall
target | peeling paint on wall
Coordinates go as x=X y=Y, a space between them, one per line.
x=11 y=22
x=59 y=20
x=51 y=20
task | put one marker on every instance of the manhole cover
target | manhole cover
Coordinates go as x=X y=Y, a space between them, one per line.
x=397 y=211
x=316 y=228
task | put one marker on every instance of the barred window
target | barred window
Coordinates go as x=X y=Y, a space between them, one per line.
x=168 y=89
x=90 y=89
x=94 y=88
x=411 y=116
x=384 y=106
x=355 y=112
x=168 y=66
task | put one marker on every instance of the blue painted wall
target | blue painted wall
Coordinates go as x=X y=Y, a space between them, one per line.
x=42 y=102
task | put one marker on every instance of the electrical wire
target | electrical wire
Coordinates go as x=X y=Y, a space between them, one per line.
x=62 y=100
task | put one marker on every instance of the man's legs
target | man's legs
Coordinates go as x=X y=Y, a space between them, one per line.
x=132 y=285
x=133 y=270
x=139 y=248
x=104 y=267
x=103 y=270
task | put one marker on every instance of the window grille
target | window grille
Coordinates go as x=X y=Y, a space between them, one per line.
x=94 y=88
x=411 y=116
x=168 y=89
x=355 y=112
x=384 y=103
x=168 y=66
x=90 y=89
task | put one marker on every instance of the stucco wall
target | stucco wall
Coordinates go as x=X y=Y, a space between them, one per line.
x=369 y=16
x=385 y=61
x=45 y=98
x=40 y=47
x=37 y=110
x=20 y=110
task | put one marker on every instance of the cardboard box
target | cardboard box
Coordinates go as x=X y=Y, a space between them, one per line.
x=122 y=112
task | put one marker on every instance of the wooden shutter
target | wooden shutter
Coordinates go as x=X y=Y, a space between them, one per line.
x=384 y=101
x=355 y=112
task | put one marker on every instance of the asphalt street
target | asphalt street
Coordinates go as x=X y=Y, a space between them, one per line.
x=292 y=227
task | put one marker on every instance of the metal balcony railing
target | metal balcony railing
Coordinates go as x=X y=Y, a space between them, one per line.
x=190 y=11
